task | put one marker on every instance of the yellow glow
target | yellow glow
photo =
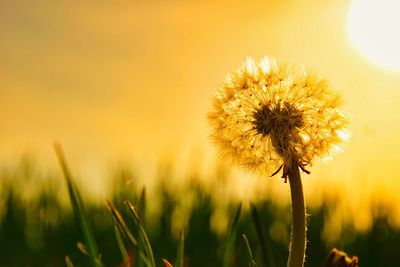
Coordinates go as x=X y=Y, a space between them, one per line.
x=373 y=28
x=131 y=81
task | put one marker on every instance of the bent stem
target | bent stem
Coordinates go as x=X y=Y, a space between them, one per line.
x=298 y=240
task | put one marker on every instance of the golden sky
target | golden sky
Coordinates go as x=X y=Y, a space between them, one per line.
x=135 y=78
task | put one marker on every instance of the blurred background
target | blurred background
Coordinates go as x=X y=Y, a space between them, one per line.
x=125 y=85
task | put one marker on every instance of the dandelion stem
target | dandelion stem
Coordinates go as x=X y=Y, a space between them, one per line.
x=298 y=239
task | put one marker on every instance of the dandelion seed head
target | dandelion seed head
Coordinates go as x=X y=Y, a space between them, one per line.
x=266 y=115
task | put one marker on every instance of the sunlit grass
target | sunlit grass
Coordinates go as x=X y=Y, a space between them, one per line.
x=49 y=237
x=79 y=210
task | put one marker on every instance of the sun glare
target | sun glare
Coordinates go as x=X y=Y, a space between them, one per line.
x=373 y=28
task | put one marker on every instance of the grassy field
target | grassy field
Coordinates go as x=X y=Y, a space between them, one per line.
x=43 y=230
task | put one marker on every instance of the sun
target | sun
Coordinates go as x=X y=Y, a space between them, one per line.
x=373 y=27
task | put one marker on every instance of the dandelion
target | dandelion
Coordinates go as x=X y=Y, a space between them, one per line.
x=271 y=118
x=267 y=116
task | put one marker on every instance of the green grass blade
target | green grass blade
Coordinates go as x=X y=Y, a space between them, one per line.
x=231 y=238
x=252 y=262
x=79 y=209
x=125 y=230
x=141 y=204
x=265 y=252
x=143 y=235
x=68 y=262
x=121 y=223
x=181 y=250
x=121 y=245
x=141 y=211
